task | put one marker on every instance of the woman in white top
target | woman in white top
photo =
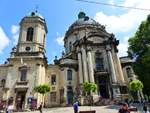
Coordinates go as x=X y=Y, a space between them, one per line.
x=10 y=108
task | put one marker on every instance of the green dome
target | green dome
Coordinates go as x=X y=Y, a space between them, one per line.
x=81 y=15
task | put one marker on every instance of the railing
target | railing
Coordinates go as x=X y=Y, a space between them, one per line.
x=22 y=84
x=101 y=71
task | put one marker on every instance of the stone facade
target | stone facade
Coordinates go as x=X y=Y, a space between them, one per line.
x=90 y=56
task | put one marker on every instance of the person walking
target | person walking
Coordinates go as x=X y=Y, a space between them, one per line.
x=10 y=108
x=124 y=108
x=75 y=107
x=145 y=109
x=40 y=108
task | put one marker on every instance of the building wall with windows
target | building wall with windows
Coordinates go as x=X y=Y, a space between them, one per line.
x=3 y=73
x=55 y=80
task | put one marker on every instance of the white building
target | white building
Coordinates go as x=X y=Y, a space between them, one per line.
x=90 y=56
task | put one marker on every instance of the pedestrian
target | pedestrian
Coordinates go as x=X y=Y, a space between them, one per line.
x=40 y=108
x=127 y=101
x=145 y=109
x=75 y=107
x=124 y=108
x=10 y=108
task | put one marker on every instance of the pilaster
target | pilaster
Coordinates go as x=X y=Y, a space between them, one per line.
x=80 y=67
x=84 y=59
x=115 y=87
x=90 y=67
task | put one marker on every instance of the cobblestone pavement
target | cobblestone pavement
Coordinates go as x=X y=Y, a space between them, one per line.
x=99 y=109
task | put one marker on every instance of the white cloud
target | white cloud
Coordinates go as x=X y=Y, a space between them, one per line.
x=126 y=21
x=132 y=3
x=111 y=2
x=14 y=29
x=15 y=33
x=4 y=40
x=15 y=37
x=60 y=41
x=123 y=47
x=57 y=33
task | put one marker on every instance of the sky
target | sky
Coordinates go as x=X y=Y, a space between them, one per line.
x=60 y=14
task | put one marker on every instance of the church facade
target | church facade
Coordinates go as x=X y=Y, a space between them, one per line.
x=90 y=56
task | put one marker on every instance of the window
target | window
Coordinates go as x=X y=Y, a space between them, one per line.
x=69 y=74
x=44 y=39
x=70 y=47
x=23 y=75
x=99 y=62
x=53 y=79
x=128 y=70
x=30 y=34
x=3 y=81
x=53 y=96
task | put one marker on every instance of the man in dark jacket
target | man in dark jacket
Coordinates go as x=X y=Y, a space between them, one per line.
x=124 y=108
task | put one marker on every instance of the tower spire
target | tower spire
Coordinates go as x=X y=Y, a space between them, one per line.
x=36 y=8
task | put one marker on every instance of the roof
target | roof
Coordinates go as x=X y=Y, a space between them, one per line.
x=84 y=21
x=126 y=60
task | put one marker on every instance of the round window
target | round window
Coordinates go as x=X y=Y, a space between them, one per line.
x=28 y=48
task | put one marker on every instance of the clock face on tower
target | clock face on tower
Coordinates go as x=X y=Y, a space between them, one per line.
x=28 y=49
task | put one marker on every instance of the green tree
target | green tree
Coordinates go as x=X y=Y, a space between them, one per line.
x=136 y=87
x=42 y=89
x=139 y=49
x=88 y=89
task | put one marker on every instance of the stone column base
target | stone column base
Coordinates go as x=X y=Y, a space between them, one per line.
x=81 y=100
x=116 y=92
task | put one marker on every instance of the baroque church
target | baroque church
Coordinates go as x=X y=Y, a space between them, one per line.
x=90 y=56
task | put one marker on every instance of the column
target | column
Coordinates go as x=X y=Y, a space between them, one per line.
x=80 y=68
x=90 y=66
x=115 y=88
x=112 y=68
x=120 y=69
x=38 y=82
x=84 y=59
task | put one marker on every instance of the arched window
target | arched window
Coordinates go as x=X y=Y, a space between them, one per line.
x=23 y=75
x=53 y=79
x=128 y=70
x=44 y=39
x=99 y=62
x=70 y=47
x=69 y=74
x=30 y=34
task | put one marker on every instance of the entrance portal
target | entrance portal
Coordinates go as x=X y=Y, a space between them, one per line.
x=103 y=86
x=70 y=95
x=20 y=100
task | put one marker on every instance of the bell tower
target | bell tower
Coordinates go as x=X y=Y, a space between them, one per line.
x=32 y=36
x=28 y=62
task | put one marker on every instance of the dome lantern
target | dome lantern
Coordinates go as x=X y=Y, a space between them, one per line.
x=81 y=15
